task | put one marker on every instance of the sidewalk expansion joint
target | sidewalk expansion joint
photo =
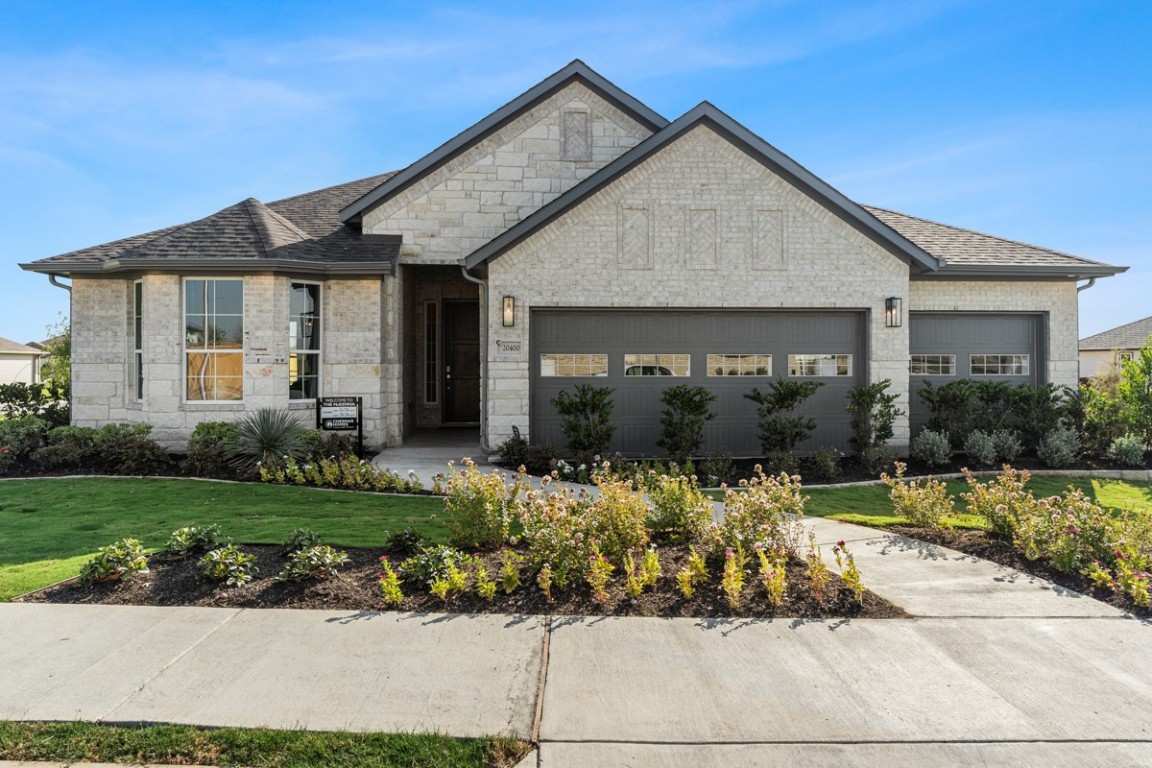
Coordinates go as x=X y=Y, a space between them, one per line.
x=544 y=647
x=172 y=662
x=835 y=742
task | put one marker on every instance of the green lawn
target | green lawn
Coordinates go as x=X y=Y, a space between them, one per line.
x=49 y=527
x=94 y=742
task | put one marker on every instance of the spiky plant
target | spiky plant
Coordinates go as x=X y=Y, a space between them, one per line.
x=265 y=438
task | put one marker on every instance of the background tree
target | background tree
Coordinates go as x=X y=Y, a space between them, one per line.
x=1135 y=392
x=56 y=368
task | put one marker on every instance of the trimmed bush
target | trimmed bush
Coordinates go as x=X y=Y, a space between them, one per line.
x=1008 y=445
x=479 y=507
x=19 y=438
x=313 y=562
x=687 y=409
x=1059 y=448
x=1127 y=450
x=874 y=414
x=208 y=450
x=780 y=428
x=116 y=561
x=932 y=448
x=680 y=512
x=192 y=539
x=981 y=448
x=228 y=564
x=585 y=422
x=923 y=502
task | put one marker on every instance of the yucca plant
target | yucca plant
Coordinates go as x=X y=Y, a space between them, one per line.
x=266 y=438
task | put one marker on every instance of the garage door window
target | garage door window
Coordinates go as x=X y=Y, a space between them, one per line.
x=933 y=365
x=657 y=365
x=999 y=365
x=739 y=365
x=820 y=365
x=573 y=365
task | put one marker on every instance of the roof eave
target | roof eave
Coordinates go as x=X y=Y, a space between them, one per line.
x=1022 y=272
x=220 y=266
x=577 y=70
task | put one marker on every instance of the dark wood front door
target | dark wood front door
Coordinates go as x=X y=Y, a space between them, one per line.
x=461 y=361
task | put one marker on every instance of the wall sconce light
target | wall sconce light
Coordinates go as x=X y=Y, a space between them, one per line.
x=893 y=312
x=509 y=311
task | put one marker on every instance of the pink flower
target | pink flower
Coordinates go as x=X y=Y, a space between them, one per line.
x=840 y=543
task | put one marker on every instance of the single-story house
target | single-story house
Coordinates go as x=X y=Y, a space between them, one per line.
x=19 y=363
x=572 y=236
x=1100 y=352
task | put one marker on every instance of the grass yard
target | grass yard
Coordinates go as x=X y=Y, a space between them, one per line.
x=50 y=527
x=94 y=742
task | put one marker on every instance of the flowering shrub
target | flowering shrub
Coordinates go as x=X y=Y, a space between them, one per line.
x=849 y=573
x=633 y=582
x=479 y=506
x=485 y=586
x=1000 y=502
x=598 y=573
x=680 y=512
x=453 y=581
x=510 y=563
x=544 y=581
x=115 y=561
x=617 y=518
x=735 y=564
x=693 y=574
x=345 y=472
x=557 y=531
x=922 y=502
x=228 y=564
x=314 y=562
x=773 y=575
x=818 y=575
x=390 y=583
x=433 y=563
x=768 y=511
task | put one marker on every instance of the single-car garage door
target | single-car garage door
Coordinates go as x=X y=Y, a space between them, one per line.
x=639 y=354
x=946 y=346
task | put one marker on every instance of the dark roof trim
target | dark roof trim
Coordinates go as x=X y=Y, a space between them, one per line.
x=1022 y=272
x=707 y=114
x=543 y=90
x=223 y=266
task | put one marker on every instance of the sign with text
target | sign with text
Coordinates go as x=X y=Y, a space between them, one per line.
x=340 y=414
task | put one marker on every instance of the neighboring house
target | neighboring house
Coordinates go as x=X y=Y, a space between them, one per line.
x=19 y=363
x=572 y=236
x=1098 y=353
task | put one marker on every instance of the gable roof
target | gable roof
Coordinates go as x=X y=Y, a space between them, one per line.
x=967 y=253
x=1130 y=336
x=577 y=71
x=760 y=150
x=9 y=347
x=301 y=234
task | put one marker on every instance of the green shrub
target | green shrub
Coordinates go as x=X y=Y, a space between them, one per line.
x=1038 y=410
x=874 y=414
x=716 y=468
x=924 y=503
x=1134 y=392
x=433 y=563
x=228 y=564
x=877 y=460
x=20 y=437
x=192 y=539
x=780 y=429
x=316 y=443
x=345 y=472
x=1059 y=448
x=1001 y=502
x=981 y=448
x=116 y=561
x=687 y=409
x=479 y=507
x=127 y=449
x=47 y=401
x=1097 y=413
x=313 y=562
x=1008 y=445
x=301 y=538
x=208 y=450
x=513 y=451
x=405 y=542
x=69 y=448
x=932 y=448
x=767 y=512
x=585 y=421
x=680 y=512
x=826 y=463
x=617 y=518
x=781 y=463
x=266 y=438
x=1127 y=450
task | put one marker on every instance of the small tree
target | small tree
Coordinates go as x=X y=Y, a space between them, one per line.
x=687 y=408
x=57 y=364
x=586 y=418
x=874 y=414
x=1135 y=392
x=780 y=429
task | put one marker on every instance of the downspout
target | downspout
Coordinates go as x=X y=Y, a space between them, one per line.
x=483 y=355
x=1091 y=282
x=55 y=280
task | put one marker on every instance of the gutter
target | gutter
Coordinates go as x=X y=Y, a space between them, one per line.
x=55 y=280
x=1091 y=282
x=484 y=446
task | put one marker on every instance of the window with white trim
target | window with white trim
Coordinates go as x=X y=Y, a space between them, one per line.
x=739 y=365
x=999 y=365
x=932 y=365
x=213 y=340
x=138 y=337
x=820 y=365
x=304 y=333
x=657 y=365
x=565 y=364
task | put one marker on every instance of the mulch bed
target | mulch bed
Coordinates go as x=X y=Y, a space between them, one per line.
x=985 y=545
x=178 y=582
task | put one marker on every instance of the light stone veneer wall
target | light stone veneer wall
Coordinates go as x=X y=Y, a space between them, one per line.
x=1056 y=299
x=102 y=362
x=579 y=260
x=502 y=179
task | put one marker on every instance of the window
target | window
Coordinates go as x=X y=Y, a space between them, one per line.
x=304 y=342
x=739 y=365
x=657 y=365
x=138 y=337
x=819 y=365
x=431 y=352
x=932 y=365
x=214 y=339
x=573 y=365
x=1000 y=365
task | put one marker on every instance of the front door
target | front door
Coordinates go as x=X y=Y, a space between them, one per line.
x=461 y=361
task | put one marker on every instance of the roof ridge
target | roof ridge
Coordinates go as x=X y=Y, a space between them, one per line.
x=382 y=176
x=257 y=211
x=1117 y=330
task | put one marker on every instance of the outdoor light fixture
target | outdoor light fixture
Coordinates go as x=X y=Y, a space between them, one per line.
x=509 y=311
x=893 y=312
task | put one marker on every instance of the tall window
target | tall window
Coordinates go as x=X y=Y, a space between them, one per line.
x=304 y=342
x=431 y=353
x=138 y=336
x=214 y=339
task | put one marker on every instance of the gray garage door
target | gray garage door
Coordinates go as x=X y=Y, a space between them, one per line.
x=946 y=346
x=641 y=353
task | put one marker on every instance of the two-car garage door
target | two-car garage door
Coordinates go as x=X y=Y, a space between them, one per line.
x=639 y=354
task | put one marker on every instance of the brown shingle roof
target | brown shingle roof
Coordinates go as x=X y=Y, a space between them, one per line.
x=1130 y=336
x=9 y=347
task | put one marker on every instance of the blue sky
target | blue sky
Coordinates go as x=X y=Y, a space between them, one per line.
x=1029 y=120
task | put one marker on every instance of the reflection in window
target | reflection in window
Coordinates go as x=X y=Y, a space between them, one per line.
x=573 y=365
x=739 y=365
x=138 y=336
x=932 y=365
x=819 y=365
x=304 y=342
x=214 y=339
x=999 y=365
x=657 y=365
